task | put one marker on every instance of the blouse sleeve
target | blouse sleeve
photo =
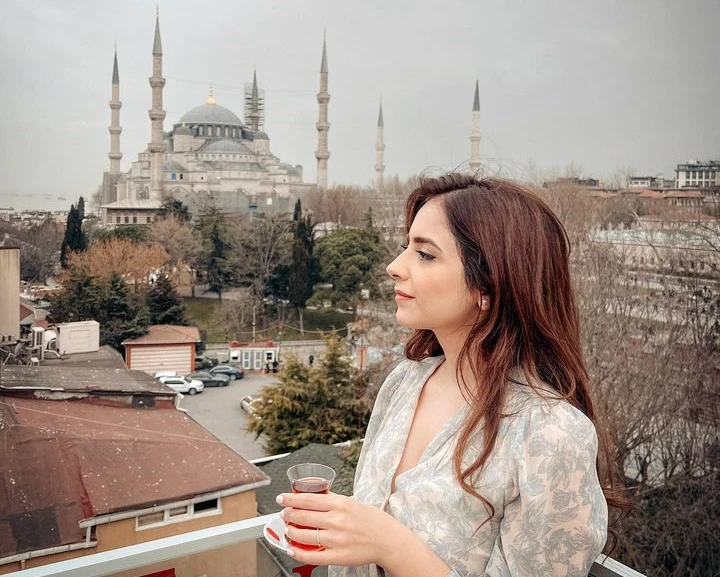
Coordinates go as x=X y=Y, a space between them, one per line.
x=555 y=523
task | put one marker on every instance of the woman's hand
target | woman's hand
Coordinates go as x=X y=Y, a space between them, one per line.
x=350 y=532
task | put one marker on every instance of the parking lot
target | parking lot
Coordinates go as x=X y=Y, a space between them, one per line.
x=218 y=410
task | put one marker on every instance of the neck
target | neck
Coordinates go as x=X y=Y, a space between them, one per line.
x=452 y=343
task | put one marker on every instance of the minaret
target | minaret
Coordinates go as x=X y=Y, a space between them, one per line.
x=474 y=162
x=254 y=115
x=156 y=147
x=380 y=152
x=322 y=153
x=115 y=155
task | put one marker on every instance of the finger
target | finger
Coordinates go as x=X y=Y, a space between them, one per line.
x=305 y=518
x=312 y=501
x=309 y=537
x=311 y=557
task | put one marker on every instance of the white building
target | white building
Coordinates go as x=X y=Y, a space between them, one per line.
x=698 y=174
x=210 y=157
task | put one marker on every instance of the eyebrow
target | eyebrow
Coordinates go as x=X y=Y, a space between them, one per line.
x=424 y=240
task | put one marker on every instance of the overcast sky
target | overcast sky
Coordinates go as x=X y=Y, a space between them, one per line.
x=601 y=84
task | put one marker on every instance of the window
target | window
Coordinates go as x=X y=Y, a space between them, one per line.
x=127 y=219
x=149 y=219
x=181 y=176
x=202 y=506
x=134 y=219
x=173 y=176
x=178 y=513
x=151 y=519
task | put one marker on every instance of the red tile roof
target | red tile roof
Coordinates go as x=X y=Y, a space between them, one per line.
x=166 y=335
x=63 y=461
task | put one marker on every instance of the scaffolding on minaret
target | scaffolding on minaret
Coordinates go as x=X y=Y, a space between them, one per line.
x=254 y=105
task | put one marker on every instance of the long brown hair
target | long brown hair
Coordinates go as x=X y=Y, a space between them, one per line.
x=515 y=250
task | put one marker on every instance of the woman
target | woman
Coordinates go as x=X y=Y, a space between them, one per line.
x=480 y=455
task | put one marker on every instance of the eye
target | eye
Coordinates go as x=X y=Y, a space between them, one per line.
x=425 y=256
x=404 y=246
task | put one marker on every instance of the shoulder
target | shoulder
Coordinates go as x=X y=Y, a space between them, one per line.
x=537 y=416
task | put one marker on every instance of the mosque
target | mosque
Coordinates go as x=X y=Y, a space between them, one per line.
x=211 y=157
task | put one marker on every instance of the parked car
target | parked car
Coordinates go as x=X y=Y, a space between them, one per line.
x=183 y=384
x=203 y=363
x=209 y=379
x=230 y=370
x=247 y=403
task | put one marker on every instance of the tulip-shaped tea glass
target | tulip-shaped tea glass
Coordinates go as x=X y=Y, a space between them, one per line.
x=309 y=478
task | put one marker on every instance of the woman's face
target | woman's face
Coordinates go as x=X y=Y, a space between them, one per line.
x=430 y=288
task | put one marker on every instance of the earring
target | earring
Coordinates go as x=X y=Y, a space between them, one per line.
x=483 y=303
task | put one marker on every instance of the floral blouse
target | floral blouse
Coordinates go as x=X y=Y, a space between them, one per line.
x=550 y=514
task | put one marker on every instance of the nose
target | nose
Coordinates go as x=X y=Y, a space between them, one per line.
x=394 y=269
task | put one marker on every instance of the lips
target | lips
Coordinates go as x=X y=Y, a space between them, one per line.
x=402 y=294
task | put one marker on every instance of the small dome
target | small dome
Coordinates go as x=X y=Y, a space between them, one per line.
x=209 y=113
x=182 y=130
x=260 y=135
x=225 y=145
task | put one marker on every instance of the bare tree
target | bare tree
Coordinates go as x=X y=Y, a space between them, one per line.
x=134 y=263
x=183 y=246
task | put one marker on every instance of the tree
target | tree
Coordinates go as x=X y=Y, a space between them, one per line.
x=304 y=267
x=121 y=316
x=325 y=403
x=219 y=266
x=78 y=300
x=38 y=244
x=219 y=262
x=653 y=360
x=348 y=258
x=164 y=304
x=74 y=239
x=264 y=243
x=134 y=233
x=175 y=209
x=184 y=248
x=134 y=263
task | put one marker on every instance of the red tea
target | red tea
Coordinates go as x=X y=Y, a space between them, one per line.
x=308 y=485
x=311 y=485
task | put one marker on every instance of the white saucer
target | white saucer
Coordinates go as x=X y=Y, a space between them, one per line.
x=274 y=533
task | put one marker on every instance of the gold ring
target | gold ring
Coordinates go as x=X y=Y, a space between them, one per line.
x=317 y=536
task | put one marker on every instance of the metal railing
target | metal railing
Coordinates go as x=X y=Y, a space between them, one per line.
x=162 y=550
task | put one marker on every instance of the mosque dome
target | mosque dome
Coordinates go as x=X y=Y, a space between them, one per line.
x=225 y=145
x=210 y=113
x=260 y=135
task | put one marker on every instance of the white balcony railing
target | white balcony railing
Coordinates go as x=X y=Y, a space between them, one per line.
x=162 y=550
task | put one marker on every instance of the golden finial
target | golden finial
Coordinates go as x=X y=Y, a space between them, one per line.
x=211 y=99
x=157 y=10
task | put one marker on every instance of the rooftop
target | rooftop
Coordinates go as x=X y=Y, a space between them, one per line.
x=89 y=378
x=65 y=461
x=166 y=334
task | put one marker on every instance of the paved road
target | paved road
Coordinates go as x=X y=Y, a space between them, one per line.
x=218 y=410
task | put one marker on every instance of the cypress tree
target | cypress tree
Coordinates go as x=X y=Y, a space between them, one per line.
x=304 y=267
x=74 y=239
